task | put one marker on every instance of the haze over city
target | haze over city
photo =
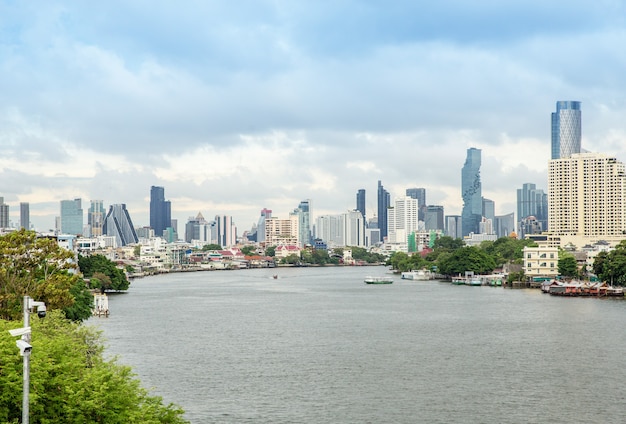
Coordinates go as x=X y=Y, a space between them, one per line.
x=235 y=107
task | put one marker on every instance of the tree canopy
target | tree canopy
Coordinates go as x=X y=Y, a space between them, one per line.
x=100 y=266
x=38 y=267
x=70 y=380
x=611 y=266
x=469 y=258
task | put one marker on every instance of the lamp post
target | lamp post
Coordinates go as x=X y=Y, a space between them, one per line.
x=25 y=348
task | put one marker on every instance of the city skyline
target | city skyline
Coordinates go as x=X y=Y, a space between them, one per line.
x=236 y=109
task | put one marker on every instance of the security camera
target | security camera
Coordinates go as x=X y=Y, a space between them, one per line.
x=41 y=311
x=24 y=346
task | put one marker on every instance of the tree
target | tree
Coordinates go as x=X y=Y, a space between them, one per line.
x=469 y=258
x=448 y=243
x=90 y=265
x=40 y=268
x=567 y=265
x=270 y=251
x=71 y=382
x=208 y=247
x=611 y=266
x=248 y=250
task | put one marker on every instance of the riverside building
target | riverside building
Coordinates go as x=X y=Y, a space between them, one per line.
x=587 y=199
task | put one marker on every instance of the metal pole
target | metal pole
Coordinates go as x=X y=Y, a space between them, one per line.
x=26 y=382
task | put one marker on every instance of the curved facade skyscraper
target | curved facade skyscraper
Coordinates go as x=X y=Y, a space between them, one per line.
x=566 y=129
x=471 y=191
x=119 y=225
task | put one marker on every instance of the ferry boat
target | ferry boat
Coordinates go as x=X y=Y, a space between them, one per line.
x=378 y=280
x=420 y=275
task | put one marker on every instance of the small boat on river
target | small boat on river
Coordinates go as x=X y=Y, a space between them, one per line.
x=378 y=280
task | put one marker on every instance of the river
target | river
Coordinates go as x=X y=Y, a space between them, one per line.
x=317 y=345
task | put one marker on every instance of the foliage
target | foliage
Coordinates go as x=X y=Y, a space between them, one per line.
x=469 y=258
x=402 y=262
x=611 y=266
x=40 y=268
x=567 y=265
x=270 y=251
x=248 y=250
x=90 y=265
x=448 y=243
x=70 y=382
x=506 y=249
x=516 y=276
x=213 y=246
x=290 y=259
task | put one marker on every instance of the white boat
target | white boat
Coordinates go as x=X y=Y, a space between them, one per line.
x=378 y=280
x=420 y=275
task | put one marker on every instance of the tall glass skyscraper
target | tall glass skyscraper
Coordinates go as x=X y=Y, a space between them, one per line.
x=471 y=191
x=532 y=202
x=25 y=215
x=95 y=217
x=160 y=211
x=360 y=201
x=384 y=201
x=72 y=217
x=119 y=225
x=566 y=129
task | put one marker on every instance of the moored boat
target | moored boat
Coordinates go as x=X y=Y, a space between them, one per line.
x=378 y=280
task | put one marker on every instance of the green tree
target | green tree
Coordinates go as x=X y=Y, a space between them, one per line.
x=248 y=250
x=611 y=266
x=40 y=268
x=270 y=251
x=469 y=258
x=71 y=382
x=89 y=265
x=208 y=247
x=448 y=243
x=567 y=265
x=320 y=256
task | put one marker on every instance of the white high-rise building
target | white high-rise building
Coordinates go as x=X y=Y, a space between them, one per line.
x=587 y=199
x=282 y=231
x=354 y=229
x=402 y=220
x=329 y=228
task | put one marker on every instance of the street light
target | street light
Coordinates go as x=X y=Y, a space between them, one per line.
x=25 y=348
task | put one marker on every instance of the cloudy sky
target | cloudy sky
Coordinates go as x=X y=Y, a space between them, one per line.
x=235 y=106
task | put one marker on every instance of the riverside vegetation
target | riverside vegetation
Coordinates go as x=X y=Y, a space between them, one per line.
x=70 y=380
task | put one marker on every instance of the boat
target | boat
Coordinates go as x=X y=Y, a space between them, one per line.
x=420 y=275
x=275 y=276
x=474 y=281
x=378 y=280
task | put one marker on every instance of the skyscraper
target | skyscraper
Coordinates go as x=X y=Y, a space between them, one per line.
x=420 y=195
x=160 y=211
x=260 y=228
x=95 y=217
x=566 y=129
x=353 y=225
x=471 y=190
x=119 y=225
x=402 y=219
x=72 y=217
x=531 y=202
x=4 y=214
x=433 y=218
x=25 y=215
x=587 y=198
x=226 y=231
x=384 y=201
x=304 y=226
x=360 y=201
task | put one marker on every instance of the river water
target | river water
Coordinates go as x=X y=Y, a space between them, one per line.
x=317 y=345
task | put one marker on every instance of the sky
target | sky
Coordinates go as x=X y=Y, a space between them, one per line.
x=234 y=107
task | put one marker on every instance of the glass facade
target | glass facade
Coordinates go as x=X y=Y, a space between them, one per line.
x=72 y=217
x=119 y=225
x=384 y=201
x=566 y=129
x=360 y=201
x=160 y=211
x=471 y=192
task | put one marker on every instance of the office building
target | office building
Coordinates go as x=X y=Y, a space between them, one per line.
x=471 y=191
x=282 y=231
x=489 y=209
x=454 y=226
x=95 y=217
x=260 y=228
x=420 y=195
x=384 y=201
x=226 y=231
x=72 y=217
x=402 y=220
x=434 y=218
x=198 y=229
x=360 y=201
x=532 y=210
x=4 y=214
x=304 y=225
x=504 y=225
x=566 y=129
x=160 y=211
x=118 y=224
x=25 y=215
x=586 y=199
x=329 y=228
x=353 y=225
